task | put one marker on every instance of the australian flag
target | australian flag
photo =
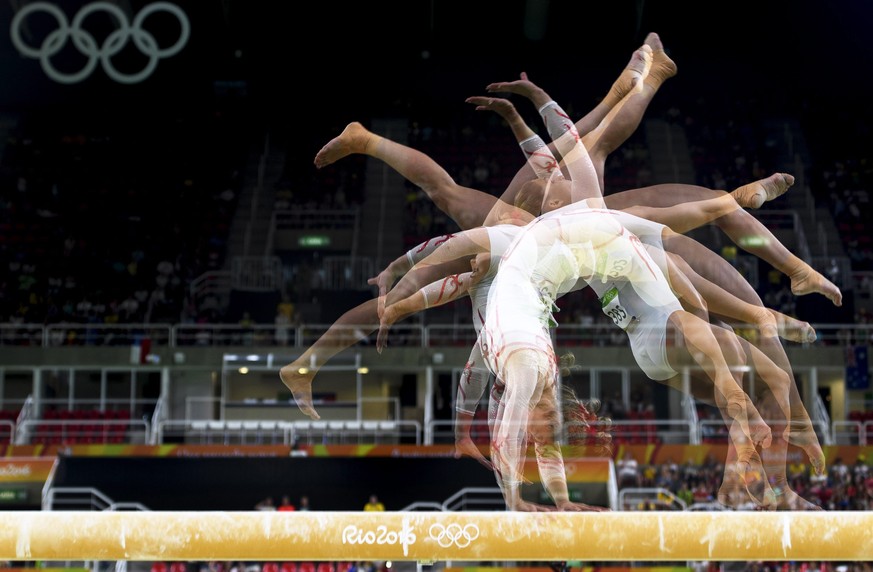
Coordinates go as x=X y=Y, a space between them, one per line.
x=857 y=368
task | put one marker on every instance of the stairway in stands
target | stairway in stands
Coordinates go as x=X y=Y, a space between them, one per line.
x=381 y=233
x=671 y=163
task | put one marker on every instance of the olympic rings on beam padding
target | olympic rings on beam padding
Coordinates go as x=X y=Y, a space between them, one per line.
x=437 y=536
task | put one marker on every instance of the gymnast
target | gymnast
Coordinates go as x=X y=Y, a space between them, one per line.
x=410 y=163
x=546 y=260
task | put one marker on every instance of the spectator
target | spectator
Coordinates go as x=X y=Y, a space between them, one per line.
x=839 y=471
x=860 y=470
x=266 y=504
x=283 y=330
x=373 y=505
x=285 y=505
x=304 y=503
x=685 y=494
x=628 y=471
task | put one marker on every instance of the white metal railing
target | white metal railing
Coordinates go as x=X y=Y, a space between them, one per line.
x=235 y=335
x=28 y=411
x=256 y=273
x=271 y=432
x=346 y=272
x=49 y=483
x=689 y=407
x=423 y=505
x=430 y=335
x=821 y=419
x=475 y=498
x=70 y=334
x=215 y=283
x=22 y=335
x=401 y=335
x=355 y=432
x=159 y=415
x=850 y=432
x=75 y=498
x=262 y=432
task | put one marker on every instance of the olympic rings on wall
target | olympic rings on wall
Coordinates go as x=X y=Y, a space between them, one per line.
x=87 y=45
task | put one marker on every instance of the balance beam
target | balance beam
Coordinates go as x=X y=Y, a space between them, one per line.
x=436 y=536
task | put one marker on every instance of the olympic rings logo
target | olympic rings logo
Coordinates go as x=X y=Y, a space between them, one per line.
x=455 y=534
x=87 y=44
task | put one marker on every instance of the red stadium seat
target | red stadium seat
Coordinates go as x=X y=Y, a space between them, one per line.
x=289 y=567
x=270 y=567
x=159 y=567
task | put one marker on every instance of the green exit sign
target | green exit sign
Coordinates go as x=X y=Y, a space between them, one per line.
x=313 y=240
x=12 y=495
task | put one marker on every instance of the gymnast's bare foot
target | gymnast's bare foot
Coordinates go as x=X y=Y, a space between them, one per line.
x=744 y=481
x=299 y=380
x=805 y=280
x=792 y=329
x=754 y=195
x=633 y=75
x=663 y=68
x=354 y=139
x=753 y=478
x=747 y=428
x=801 y=434
x=760 y=432
x=787 y=499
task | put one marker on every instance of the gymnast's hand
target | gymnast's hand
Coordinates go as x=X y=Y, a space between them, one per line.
x=386 y=319
x=525 y=506
x=384 y=280
x=464 y=446
x=522 y=86
x=570 y=506
x=503 y=107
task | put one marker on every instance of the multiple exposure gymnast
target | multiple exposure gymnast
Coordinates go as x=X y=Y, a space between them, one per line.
x=443 y=190
x=648 y=332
